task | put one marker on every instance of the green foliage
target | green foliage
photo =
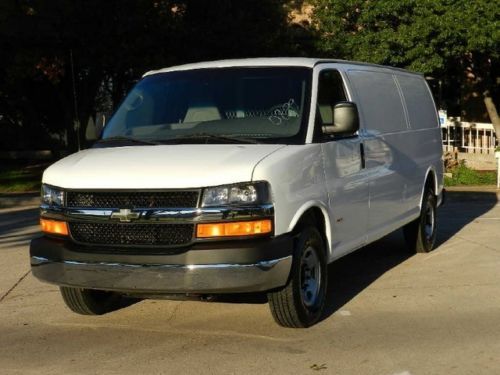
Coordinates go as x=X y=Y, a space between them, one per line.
x=421 y=35
x=463 y=175
x=456 y=42
x=20 y=178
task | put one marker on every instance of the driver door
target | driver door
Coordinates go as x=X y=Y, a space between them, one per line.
x=345 y=174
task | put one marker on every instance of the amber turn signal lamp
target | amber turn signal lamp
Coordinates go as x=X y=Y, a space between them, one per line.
x=238 y=228
x=54 y=227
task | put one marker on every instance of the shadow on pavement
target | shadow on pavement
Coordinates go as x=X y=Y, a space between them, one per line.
x=18 y=239
x=353 y=273
x=18 y=219
x=349 y=275
x=19 y=226
x=461 y=208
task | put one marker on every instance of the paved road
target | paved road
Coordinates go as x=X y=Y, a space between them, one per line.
x=389 y=313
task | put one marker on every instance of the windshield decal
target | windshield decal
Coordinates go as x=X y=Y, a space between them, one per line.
x=284 y=112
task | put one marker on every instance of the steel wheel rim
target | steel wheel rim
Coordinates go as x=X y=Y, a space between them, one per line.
x=310 y=277
x=429 y=222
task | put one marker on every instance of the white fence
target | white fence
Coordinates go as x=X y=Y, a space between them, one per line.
x=469 y=137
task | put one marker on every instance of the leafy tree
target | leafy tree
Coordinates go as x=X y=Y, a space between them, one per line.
x=220 y=29
x=94 y=50
x=457 y=41
x=58 y=51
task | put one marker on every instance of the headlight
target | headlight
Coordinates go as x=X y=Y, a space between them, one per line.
x=246 y=193
x=52 y=196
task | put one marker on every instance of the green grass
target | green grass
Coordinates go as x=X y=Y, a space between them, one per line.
x=18 y=178
x=462 y=175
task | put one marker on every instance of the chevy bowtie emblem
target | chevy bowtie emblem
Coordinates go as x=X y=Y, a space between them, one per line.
x=125 y=215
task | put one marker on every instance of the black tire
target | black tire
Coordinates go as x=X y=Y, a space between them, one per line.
x=298 y=304
x=420 y=234
x=91 y=302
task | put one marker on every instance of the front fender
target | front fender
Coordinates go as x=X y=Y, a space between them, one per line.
x=326 y=217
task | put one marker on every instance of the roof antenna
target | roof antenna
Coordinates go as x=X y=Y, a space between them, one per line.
x=75 y=103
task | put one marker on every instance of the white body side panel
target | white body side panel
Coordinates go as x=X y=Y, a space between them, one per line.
x=399 y=128
x=297 y=181
x=347 y=186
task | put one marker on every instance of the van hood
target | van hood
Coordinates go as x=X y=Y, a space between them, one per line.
x=157 y=167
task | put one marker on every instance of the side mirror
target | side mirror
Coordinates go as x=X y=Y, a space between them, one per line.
x=345 y=119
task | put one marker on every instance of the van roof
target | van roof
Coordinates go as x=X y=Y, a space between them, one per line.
x=267 y=61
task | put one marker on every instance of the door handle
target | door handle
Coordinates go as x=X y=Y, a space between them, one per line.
x=362 y=154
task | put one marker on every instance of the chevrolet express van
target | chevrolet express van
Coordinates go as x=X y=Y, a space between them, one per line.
x=242 y=176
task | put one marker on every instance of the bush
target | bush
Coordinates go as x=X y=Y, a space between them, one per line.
x=463 y=175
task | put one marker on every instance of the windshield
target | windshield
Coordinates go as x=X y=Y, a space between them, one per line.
x=260 y=104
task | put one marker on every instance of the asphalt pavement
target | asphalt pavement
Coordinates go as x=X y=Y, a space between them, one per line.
x=389 y=312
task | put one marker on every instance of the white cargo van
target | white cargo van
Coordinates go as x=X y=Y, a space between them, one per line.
x=242 y=176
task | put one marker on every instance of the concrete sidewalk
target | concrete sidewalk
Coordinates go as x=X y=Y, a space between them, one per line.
x=474 y=188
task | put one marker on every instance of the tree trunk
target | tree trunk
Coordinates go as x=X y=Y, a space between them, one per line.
x=493 y=113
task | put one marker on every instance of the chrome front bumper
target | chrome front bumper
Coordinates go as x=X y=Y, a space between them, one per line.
x=165 y=278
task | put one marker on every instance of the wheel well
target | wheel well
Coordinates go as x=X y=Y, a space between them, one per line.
x=313 y=216
x=430 y=181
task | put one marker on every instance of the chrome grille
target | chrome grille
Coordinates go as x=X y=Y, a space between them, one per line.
x=131 y=234
x=136 y=199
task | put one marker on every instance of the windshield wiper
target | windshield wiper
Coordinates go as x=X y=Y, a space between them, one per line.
x=216 y=137
x=122 y=138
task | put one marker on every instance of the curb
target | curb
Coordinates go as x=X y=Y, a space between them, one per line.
x=19 y=200
x=472 y=194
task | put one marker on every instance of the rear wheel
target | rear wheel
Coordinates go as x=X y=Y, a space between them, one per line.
x=91 y=302
x=420 y=234
x=301 y=302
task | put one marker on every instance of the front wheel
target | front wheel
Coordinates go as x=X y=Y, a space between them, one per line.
x=91 y=302
x=301 y=302
x=420 y=234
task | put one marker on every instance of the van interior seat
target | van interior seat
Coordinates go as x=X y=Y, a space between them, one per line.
x=202 y=108
x=202 y=113
x=326 y=114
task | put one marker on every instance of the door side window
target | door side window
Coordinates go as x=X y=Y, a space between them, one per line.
x=330 y=92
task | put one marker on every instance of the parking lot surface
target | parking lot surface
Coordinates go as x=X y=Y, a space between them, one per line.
x=389 y=312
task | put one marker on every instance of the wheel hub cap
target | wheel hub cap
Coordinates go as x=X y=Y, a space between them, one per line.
x=429 y=223
x=310 y=277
